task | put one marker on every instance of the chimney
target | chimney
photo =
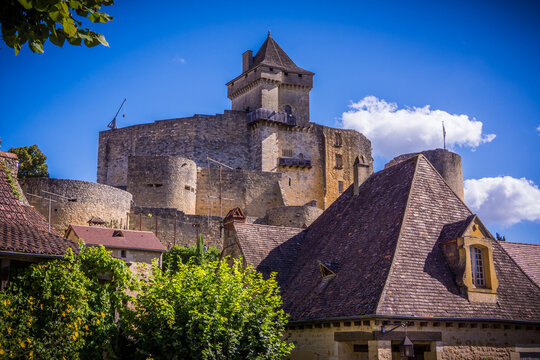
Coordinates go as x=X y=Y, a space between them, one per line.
x=360 y=172
x=247 y=60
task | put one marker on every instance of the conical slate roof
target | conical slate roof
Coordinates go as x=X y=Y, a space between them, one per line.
x=272 y=55
x=383 y=246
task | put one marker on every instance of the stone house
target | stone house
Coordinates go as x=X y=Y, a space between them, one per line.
x=128 y=245
x=399 y=255
x=25 y=237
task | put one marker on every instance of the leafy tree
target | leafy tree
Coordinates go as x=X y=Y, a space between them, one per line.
x=31 y=161
x=180 y=254
x=500 y=237
x=35 y=21
x=64 y=309
x=209 y=312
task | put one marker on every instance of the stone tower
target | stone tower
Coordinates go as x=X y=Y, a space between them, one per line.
x=271 y=85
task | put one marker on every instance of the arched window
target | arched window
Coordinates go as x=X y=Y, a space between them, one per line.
x=477 y=267
x=288 y=109
x=301 y=156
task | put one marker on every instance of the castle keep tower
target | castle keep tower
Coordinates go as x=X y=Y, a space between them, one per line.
x=272 y=86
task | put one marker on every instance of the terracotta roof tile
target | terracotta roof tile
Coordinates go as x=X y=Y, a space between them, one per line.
x=129 y=239
x=23 y=229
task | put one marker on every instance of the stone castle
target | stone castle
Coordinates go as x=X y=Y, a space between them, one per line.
x=179 y=177
x=272 y=154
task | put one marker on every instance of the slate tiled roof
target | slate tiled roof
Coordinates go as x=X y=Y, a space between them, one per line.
x=23 y=229
x=263 y=246
x=384 y=247
x=527 y=256
x=271 y=54
x=129 y=239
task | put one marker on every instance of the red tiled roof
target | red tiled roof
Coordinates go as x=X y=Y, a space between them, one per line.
x=23 y=229
x=383 y=246
x=8 y=155
x=130 y=239
x=527 y=256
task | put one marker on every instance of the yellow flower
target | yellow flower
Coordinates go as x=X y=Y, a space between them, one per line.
x=9 y=331
x=63 y=358
x=31 y=354
x=97 y=321
x=41 y=306
x=8 y=301
x=62 y=297
x=78 y=319
x=27 y=339
x=67 y=310
x=102 y=315
x=22 y=344
x=1 y=352
x=63 y=313
x=86 y=327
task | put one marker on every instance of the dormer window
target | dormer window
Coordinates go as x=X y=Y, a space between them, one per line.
x=477 y=267
x=117 y=233
x=325 y=271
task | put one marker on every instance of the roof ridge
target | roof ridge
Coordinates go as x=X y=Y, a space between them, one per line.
x=403 y=219
x=517 y=243
x=270 y=226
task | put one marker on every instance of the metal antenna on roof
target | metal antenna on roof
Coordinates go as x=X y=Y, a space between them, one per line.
x=112 y=124
x=49 y=199
x=220 y=164
x=444 y=135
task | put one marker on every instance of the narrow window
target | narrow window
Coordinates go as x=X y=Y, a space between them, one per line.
x=123 y=253
x=289 y=181
x=339 y=161
x=477 y=267
x=339 y=140
x=288 y=109
x=340 y=186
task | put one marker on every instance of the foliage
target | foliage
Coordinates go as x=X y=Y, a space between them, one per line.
x=209 y=312
x=62 y=309
x=31 y=161
x=10 y=180
x=35 y=21
x=500 y=237
x=198 y=254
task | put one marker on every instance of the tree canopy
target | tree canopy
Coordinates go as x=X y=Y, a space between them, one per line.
x=35 y=21
x=31 y=161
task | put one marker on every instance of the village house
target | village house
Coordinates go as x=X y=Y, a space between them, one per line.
x=398 y=259
x=25 y=236
x=129 y=245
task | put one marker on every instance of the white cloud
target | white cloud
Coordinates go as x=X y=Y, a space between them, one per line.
x=394 y=131
x=538 y=129
x=503 y=200
x=178 y=59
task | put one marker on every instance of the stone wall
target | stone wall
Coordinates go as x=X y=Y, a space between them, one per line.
x=12 y=163
x=173 y=227
x=163 y=181
x=84 y=201
x=292 y=216
x=223 y=137
x=348 y=144
x=458 y=340
x=253 y=191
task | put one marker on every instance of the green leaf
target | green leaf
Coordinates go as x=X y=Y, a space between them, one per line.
x=57 y=38
x=74 y=40
x=36 y=46
x=69 y=27
x=27 y=4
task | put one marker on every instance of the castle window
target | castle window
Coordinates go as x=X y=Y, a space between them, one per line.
x=123 y=253
x=477 y=267
x=289 y=181
x=339 y=140
x=288 y=109
x=271 y=69
x=287 y=152
x=286 y=73
x=340 y=186
x=299 y=75
x=339 y=161
x=301 y=156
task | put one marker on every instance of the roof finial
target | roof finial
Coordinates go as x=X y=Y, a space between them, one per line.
x=269 y=35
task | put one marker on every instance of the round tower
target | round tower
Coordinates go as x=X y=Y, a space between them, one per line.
x=447 y=163
x=163 y=181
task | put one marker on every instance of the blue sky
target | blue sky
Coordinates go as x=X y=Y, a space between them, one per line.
x=476 y=59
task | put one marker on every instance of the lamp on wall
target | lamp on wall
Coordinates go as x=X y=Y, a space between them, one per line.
x=406 y=347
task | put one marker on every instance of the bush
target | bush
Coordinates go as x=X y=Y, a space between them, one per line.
x=64 y=309
x=209 y=311
x=196 y=253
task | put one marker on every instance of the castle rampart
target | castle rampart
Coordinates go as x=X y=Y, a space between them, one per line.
x=79 y=201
